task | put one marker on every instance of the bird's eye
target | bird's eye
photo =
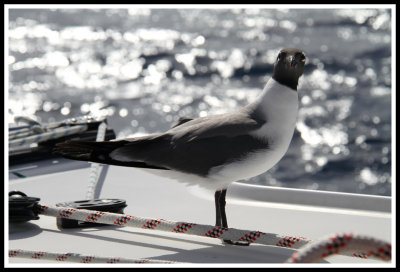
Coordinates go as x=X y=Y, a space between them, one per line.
x=281 y=55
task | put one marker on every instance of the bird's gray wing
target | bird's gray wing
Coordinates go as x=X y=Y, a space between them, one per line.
x=197 y=145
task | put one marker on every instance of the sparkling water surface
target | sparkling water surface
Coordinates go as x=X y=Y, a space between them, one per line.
x=145 y=68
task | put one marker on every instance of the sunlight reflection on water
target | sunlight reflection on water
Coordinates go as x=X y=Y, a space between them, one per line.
x=145 y=68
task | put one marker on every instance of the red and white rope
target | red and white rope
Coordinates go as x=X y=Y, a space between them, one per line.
x=78 y=258
x=172 y=226
x=345 y=244
x=311 y=251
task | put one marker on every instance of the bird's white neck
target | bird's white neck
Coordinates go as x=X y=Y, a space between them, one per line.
x=277 y=98
x=278 y=105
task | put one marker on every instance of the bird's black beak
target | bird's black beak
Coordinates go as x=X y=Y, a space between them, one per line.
x=293 y=62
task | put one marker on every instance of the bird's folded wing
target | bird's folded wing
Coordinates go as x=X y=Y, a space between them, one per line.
x=195 y=146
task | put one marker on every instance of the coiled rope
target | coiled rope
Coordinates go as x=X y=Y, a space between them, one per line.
x=346 y=244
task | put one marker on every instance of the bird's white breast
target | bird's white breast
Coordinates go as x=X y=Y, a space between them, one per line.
x=279 y=105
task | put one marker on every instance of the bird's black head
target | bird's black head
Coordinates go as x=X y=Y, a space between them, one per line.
x=289 y=66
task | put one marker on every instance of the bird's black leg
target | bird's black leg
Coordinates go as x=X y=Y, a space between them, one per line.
x=220 y=209
x=218 y=221
x=221 y=220
x=222 y=204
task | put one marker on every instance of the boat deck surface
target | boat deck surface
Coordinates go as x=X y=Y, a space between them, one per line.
x=291 y=212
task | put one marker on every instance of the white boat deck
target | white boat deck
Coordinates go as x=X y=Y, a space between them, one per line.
x=291 y=212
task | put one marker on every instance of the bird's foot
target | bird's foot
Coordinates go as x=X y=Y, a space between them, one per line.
x=236 y=243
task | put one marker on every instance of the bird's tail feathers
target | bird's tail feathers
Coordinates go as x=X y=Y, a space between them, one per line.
x=86 y=150
x=98 y=152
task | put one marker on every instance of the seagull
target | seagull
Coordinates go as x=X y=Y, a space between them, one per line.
x=213 y=151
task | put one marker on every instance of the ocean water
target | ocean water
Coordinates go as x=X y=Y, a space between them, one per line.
x=145 y=68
